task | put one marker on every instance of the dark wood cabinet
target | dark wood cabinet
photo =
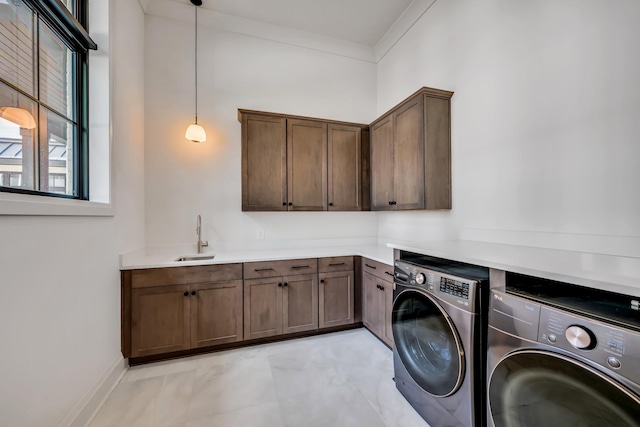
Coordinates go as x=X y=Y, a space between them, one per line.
x=216 y=313
x=377 y=289
x=264 y=163
x=165 y=310
x=345 y=165
x=160 y=320
x=336 y=298
x=279 y=299
x=411 y=154
x=302 y=164
x=307 y=165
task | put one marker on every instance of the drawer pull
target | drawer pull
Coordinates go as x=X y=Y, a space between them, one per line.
x=335 y=264
x=371 y=266
x=263 y=269
x=297 y=267
x=387 y=273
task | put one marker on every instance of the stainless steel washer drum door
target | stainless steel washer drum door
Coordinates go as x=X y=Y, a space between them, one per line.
x=535 y=388
x=427 y=343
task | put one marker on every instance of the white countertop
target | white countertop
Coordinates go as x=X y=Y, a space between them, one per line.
x=142 y=259
x=605 y=272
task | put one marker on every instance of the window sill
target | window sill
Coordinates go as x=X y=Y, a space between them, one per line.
x=23 y=205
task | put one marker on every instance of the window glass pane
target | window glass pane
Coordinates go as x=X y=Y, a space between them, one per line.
x=17 y=45
x=18 y=133
x=56 y=84
x=56 y=154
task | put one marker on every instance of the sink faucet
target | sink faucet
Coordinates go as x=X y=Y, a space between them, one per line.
x=201 y=244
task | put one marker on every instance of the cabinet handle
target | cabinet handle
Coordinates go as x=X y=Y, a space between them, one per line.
x=257 y=270
x=279 y=285
x=394 y=203
x=382 y=288
x=186 y=294
x=286 y=284
x=321 y=280
x=390 y=203
x=371 y=266
x=389 y=274
x=335 y=264
x=193 y=292
x=297 y=267
x=284 y=203
x=290 y=203
x=330 y=204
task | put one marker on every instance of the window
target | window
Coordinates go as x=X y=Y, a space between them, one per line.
x=43 y=97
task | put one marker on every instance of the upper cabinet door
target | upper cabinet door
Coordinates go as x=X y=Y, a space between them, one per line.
x=307 y=165
x=264 y=163
x=344 y=166
x=382 y=176
x=409 y=156
x=438 y=153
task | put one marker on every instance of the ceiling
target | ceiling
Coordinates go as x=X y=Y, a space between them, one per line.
x=363 y=22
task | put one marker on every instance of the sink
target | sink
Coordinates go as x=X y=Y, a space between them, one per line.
x=195 y=258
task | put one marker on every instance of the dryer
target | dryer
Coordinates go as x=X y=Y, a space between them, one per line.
x=561 y=355
x=439 y=325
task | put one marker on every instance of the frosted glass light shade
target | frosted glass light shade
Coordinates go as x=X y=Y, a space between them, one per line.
x=19 y=116
x=195 y=133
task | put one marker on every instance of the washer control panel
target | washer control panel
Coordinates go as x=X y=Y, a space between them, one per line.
x=612 y=347
x=457 y=291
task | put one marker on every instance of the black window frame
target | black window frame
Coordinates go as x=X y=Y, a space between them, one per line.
x=71 y=27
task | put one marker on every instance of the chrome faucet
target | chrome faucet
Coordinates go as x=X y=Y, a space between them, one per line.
x=201 y=244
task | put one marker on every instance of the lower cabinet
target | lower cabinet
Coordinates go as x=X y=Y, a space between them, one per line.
x=165 y=319
x=377 y=306
x=336 y=302
x=280 y=305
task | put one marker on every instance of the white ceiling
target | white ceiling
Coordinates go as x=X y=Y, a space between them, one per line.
x=363 y=22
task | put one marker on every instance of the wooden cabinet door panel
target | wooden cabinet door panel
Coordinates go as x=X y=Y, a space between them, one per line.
x=262 y=308
x=344 y=156
x=373 y=304
x=336 y=299
x=437 y=153
x=388 y=309
x=409 y=156
x=160 y=320
x=216 y=313
x=300 y=303
x=307 y=165
x=264 y=163
x=382 y=176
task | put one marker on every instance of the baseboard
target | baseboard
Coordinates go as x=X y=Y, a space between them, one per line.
x=84 y=412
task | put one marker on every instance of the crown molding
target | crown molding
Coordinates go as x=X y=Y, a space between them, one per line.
x=403 y=24
x=184 y=12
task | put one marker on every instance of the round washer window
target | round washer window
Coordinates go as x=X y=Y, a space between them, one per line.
x=532 y=389
x=427 y=343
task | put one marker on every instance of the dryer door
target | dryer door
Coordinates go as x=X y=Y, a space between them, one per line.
x=427 y=342
x=536 y=388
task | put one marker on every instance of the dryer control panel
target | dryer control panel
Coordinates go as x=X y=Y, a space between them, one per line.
x=454 y=290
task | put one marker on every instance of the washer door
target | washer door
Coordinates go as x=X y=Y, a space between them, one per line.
x=427 y=342
x=535 y=388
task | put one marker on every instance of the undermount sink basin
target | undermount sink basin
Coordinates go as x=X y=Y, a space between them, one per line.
x=195 y=258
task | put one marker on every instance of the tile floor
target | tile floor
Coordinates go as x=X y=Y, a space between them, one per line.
x=341 y=379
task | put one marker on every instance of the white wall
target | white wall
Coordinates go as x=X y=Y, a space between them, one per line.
x=544 y=120
x=60 y=290
x=236 y=71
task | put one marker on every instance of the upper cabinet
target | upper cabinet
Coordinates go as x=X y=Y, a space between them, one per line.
x=411 y=154
x=292 y=163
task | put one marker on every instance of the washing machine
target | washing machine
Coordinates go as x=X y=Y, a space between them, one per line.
x=439 y=331
x=562 y=355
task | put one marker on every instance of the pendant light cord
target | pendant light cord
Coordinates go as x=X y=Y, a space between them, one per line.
x=196 y=71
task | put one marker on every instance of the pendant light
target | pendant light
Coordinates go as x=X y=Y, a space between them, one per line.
x=195 y=132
